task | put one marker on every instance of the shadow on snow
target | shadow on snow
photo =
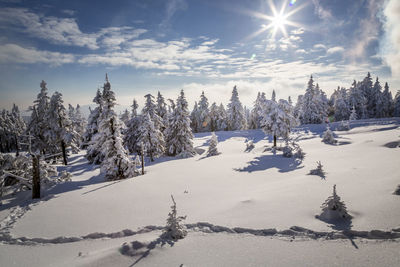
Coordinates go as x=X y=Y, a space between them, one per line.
x=266 y=162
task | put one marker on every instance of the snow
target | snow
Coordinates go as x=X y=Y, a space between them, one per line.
x=254 y=190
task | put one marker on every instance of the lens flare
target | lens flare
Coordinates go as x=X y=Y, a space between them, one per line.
x=292 y=2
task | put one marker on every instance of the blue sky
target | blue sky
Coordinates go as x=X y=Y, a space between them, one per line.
x=152 y=45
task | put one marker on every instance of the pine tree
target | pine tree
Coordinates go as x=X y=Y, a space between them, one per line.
x=18 y=126
x=115 y=161
x=358 y=100
x=61 y=133
x=341 y=106
x=328 y=137
x=213 y=117
x=151 y=108
x=179 y=134
x=195 y=118
x=277 y=119
x=396 y=105
x=353 y=114
x=212 y=148
x=38 y=125
x=161 y=110
x=387 y=102
x=222 y=123
x=334 y=208
x=150 y=139
x=131 y=133
x=273 y=97
x=203 y=114
x=125 y=116
x=92 y=126
x=255 y=117
x=314 y=104
x=175 y=229
x=236 y=116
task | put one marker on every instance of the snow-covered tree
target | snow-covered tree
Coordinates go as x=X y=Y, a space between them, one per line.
x=195 y=118
x=273 y=97
x=175 y=229
x=235 y=112
x=255 y=117
x=151 y=108
x=387 y=102
x=328 y=137
x=341 y=106
x=213 y=117
x=318 y=171
x=314 y=104
x=38 y=125
x=61 y=133
x=131 y=133
x=115 y=162
x=353 y=114
x=334 y=209
x=212 y=148
x=179 y=134
x=161 y=110
x=396 y=105
x=222 y=118
x=150 y=139
x=92 y=126
x=203 y=114
x=277 y=119
x=78 y=122
x=12 y=127
x=125 y=116
x=358 y=100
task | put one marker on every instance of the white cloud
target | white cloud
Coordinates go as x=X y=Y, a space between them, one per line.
x=319 y=46
x=390 y=46
x=336 y=49
x=17 y=54
x=64 y=31
x=172 y=6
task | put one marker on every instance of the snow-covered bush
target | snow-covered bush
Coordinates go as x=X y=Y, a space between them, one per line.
x=318 y=171
x=397 y=191
x=333 y=208
x=328 y=137
x=293 y=149
x=343 y=126
x=174 y=229
x=249 y=145
x=212 y=149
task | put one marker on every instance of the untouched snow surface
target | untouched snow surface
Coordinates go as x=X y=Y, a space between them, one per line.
x=255 y=189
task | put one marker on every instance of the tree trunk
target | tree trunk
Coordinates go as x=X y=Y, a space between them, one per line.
x=64 y=153
x=274 y=140
x=142 y=163
x=35 y=177
x=16 y=145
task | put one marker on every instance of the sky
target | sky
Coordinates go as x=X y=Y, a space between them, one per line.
x=147 y=46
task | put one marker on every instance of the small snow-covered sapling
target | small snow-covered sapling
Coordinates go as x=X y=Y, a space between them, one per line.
x=328 y=137
x=318 y=171
x=175 y=229
x=333 y=208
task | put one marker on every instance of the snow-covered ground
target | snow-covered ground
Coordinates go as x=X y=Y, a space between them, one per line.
x=230 y=191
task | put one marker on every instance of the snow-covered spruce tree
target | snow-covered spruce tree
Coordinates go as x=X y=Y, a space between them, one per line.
x=333 y=209
x=204 y=114
x=358 y=100
x=328 y=137
x=38 y=125
x=78 y=122
x=273 y=97
x=151 y=108
x=212 y=148
x=387 y=102
x=12 y=127
x=255 y=117
x=314 y=104
x=277 y=119
x=61 y=133
x=235 y=112
x=343 y=126
x=222 y=123
x=124 y=117
x=161 y=110
x=318 y=171
x=150 y=139
x=341 y=106
x=396 y=105
x=131 y=133
x=115 y=163
x=297 y=111
x=174 y=229
x=92 y=126
x=353 y=114
x=179 y=134
x=195 y=118
x=213 y=117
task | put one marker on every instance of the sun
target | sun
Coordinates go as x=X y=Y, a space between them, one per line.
x=278 y=20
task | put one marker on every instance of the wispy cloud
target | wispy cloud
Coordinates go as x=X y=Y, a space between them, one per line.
x=172 y=6
x=336 y=49
x=64 y=31
x=12 y=53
